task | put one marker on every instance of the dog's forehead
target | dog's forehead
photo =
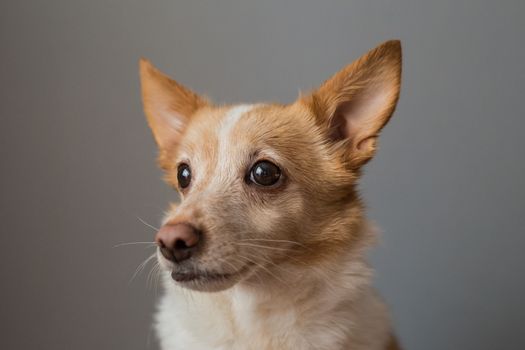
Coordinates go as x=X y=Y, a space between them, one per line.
x=227 y=129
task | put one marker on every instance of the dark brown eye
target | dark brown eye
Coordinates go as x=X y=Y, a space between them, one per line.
x=265 y=173
x=184 y=175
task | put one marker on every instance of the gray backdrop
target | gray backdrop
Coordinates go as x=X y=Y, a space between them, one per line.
x=77 y=159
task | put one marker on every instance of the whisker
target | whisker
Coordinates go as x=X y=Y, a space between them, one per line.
x=141 y=267
x=317 y=270
x=158 y=276
x=133 y=243
x=148 y=225
x=272 y=240
x=150 y=280
x=259 y=246
x=233 y=267
x=243 y=263
x=262 y=267
x=270 y=262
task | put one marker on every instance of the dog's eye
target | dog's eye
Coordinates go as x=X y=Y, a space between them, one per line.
x=184 y=175
x=265 y=173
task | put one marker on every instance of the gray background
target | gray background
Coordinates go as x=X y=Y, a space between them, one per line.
x=77 y=160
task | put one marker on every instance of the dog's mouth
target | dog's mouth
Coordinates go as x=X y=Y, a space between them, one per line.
x=203 y=276
x=208 y=280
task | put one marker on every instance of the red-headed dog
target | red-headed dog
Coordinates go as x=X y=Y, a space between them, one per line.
x=266 y=249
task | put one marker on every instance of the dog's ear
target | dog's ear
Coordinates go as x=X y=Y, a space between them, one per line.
x=167 y=104
x=358 y=101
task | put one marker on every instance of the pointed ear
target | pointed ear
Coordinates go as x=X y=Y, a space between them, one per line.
x=357 y=102
x=167 y=104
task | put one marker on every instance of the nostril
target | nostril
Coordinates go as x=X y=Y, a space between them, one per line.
x=181 y=244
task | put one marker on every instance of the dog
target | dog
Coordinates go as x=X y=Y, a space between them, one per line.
x=266 y=249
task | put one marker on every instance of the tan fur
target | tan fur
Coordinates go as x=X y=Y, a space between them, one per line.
x=304 y=282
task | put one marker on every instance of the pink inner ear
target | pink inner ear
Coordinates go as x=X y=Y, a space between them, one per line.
x=362 y=117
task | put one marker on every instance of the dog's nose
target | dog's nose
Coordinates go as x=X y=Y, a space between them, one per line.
x=178 y=242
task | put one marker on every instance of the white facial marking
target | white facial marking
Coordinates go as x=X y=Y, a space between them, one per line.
x=231 y=118
x=226 y=144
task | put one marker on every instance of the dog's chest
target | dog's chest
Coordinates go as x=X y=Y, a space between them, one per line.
x=235 y=322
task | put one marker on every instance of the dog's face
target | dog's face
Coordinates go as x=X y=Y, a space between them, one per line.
x=263 y=185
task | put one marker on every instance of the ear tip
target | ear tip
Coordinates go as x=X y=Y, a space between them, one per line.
x=392 y=48
x=144 y=62
x=145 y=66
x=394 y=43
x=390 y=53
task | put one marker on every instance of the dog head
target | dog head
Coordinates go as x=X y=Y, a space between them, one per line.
x=266 y=184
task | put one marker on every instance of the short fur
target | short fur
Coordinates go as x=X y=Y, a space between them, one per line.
x=294 y=253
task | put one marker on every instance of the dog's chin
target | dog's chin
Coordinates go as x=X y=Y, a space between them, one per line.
x=204 y=281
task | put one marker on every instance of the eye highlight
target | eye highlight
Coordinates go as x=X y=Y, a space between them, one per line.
x=184 y=175
x=264 y=173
